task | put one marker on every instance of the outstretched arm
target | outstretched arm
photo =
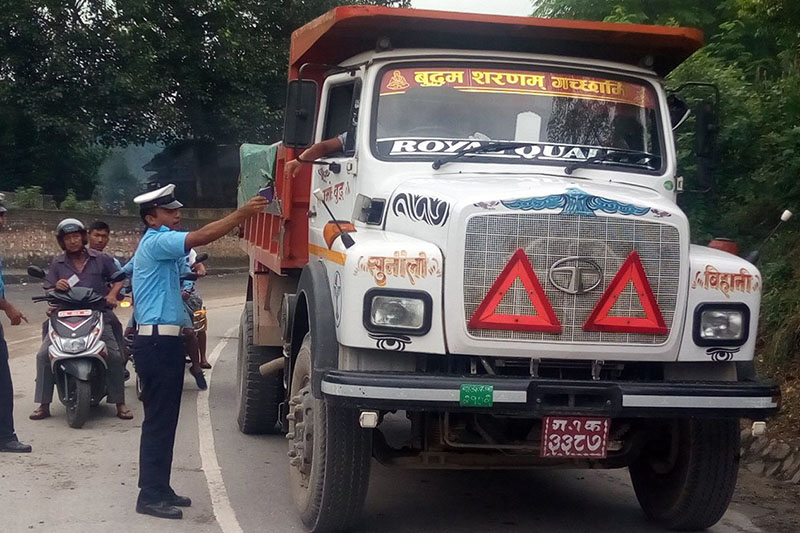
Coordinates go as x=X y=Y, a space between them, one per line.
x=314 y=152
x=219 y=228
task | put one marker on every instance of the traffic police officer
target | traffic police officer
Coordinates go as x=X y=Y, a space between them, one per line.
x=158 y=346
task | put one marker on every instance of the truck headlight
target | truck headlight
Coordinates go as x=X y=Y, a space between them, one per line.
x=395 y=310
x=721 y=324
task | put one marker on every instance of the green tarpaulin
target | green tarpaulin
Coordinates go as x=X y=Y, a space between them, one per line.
x=257 y=169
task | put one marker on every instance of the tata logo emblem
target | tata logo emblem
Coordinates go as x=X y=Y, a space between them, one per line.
x=575 y=275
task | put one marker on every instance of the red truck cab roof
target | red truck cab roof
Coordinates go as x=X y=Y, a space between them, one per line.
x=346 y=31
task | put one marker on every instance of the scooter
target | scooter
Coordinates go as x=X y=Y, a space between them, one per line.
x=77 y=355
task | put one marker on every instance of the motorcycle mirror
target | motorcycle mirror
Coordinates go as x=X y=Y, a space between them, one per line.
x=201 y=257
x=189 y=276
x=36 y=272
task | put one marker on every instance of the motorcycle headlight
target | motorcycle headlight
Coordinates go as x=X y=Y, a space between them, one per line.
x=73 y=345
x=397 y=310
x=721 y=324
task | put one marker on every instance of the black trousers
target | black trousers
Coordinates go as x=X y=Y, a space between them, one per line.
x=160 y=365
x=6 y=395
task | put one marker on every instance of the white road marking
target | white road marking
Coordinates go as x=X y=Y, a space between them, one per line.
x=223 y=511
x=29 y=339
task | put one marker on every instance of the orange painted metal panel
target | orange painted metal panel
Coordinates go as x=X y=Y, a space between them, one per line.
x=346 y=31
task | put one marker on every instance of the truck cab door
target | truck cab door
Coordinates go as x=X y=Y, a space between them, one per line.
x=336 y=179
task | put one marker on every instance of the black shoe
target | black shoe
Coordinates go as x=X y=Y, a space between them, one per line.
x=200 y=379
x=15 y=446
x=178 y=501
x=159 y=510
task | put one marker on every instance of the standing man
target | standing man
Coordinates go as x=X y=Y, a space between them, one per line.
x=158 y=347
x=8 y=439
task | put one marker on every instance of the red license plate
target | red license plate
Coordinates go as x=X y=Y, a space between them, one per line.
x=572 y=436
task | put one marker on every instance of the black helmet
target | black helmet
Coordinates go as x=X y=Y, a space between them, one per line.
x=70 y=225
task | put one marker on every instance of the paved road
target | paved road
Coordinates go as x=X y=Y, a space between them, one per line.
x=85 y=480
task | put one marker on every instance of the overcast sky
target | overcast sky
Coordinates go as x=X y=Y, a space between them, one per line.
x=494 y=7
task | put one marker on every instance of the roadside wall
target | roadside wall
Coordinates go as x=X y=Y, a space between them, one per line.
x=29 y=238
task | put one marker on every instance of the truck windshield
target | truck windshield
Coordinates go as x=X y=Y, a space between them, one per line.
x=426 y=113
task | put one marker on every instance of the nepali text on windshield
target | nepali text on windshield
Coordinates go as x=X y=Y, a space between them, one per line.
x=427 y=113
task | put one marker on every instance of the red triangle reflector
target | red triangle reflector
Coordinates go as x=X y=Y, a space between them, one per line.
x=520 y=267
x=630 y=271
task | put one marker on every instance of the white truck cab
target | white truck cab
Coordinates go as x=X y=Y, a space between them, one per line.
x=498 y=269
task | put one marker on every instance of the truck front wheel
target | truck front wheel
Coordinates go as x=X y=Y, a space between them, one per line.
x=329 y=454
x=685 y=478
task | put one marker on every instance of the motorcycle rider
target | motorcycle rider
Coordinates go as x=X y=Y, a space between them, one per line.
x=195 y=302
x=99 y=237
x=83 y=267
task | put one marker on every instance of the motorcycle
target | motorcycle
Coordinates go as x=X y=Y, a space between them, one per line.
x=77 y=353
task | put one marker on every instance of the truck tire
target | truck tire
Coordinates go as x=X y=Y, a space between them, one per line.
x=80 y=402
x=329 y=454
x=685 y=480
x=259 y=396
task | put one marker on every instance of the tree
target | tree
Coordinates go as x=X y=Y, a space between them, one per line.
x=77 y=76
x=50 y=53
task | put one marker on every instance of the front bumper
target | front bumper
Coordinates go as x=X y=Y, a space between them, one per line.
x=546 y=397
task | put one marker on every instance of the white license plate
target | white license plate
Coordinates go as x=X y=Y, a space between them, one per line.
x=78 y=312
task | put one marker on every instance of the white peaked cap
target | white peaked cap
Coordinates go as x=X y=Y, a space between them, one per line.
x=163 y=197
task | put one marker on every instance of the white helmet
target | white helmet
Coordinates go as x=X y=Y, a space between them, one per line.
x=70 y=225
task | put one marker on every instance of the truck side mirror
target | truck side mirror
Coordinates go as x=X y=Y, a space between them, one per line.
x=301 y=112
x=678 y=111
x=706 y=130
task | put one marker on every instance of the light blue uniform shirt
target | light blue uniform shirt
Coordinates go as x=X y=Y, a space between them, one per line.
x=156 y=277
x=2 y=285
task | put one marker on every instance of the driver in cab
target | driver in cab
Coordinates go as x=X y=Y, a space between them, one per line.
x=82 y=267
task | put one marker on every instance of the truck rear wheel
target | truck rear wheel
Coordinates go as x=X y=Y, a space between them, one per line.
x=329 y=454
x=686 y=479
x=259 y=396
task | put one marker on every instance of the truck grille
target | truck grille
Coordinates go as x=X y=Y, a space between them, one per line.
x=491 y=240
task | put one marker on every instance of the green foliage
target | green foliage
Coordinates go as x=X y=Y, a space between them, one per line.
x=70 y=202
x=672 y=13
x=73 y=74
x=28 y=197
x=753 y=55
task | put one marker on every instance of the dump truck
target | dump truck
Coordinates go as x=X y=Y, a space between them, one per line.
x=493 y=271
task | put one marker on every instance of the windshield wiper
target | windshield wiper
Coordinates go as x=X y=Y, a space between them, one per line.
x=610 y=155
x=491 y=146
